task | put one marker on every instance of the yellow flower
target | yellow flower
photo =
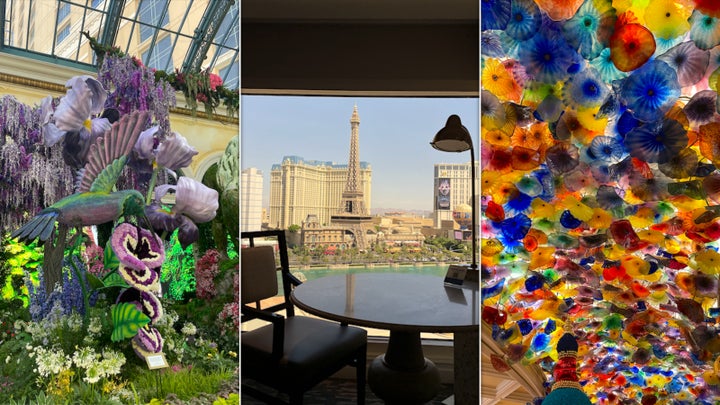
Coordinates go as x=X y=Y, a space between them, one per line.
x=577 y=209
x=708 y=261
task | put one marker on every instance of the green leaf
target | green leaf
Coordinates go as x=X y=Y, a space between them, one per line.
x=110 y=259
x=114 y=280
x=127 y=320
x=94 y=281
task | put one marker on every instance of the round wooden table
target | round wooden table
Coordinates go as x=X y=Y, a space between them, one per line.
x=404 y=304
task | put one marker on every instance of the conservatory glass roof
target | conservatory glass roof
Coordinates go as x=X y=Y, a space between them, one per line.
x=165 y=34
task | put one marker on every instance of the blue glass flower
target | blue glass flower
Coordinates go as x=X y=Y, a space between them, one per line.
x=540 y=342
x=524 y=19
x=547 y=56
x=607 y=148
x=626 y=123
x=569 y=221
x=515 y=228
x=490 y=45
x=518 y=204
x=588 y=30
x=525 y=326
x=657 y=143
x=650 y=91
x=494 y=14
x=606 y=68
x=585 y=89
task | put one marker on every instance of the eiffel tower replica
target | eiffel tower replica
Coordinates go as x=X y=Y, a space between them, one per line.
x=353 y=215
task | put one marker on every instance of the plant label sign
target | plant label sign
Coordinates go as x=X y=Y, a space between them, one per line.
x=156 y=361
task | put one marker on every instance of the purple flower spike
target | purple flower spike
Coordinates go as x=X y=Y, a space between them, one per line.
x=136 y=247
x=147 y=280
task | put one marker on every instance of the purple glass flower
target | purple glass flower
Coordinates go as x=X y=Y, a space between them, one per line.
x=136 y=247
x=174 y=152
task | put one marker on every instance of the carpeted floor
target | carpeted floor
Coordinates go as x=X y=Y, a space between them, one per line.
x=333 y=392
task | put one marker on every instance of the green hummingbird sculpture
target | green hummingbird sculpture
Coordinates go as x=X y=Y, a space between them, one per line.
x=95 y=202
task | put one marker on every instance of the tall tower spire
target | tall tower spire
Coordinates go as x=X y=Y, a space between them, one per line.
x=352 y=213
x=353 y=194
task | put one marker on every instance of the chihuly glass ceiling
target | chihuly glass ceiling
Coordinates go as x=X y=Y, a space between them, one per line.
x=601 y=192
x=188 y=35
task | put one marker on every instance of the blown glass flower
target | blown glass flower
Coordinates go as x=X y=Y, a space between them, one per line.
x=524 y=19
x=657 y=143
x=590 y=28
x=547 y=56
x=650 y=91
x=631 y=46
x=494 y=14
x=689 y=62
x=667 y=19
x=585 y=89
x=704 y=30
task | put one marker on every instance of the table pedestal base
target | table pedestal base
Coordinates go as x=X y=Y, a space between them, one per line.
x=403 y=375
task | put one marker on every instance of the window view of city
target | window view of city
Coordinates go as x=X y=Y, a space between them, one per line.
x=355 y=182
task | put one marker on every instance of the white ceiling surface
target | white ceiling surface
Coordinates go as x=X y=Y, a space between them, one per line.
x=380 y=11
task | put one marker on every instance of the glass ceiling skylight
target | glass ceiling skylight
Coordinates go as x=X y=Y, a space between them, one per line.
x=164 y=34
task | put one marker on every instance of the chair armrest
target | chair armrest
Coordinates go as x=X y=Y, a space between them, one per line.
x=293 y=280
x=278 y=324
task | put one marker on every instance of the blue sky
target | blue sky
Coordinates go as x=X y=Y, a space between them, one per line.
x=395 y=135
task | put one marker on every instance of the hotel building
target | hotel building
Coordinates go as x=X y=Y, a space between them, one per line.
x=251 y=211
x=300 y=187
x=451 y=187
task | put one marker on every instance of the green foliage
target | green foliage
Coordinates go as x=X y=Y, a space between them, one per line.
x=17 y=260
x=185 y=384
x=127 y=320
x=178 y=270
x=294 y=228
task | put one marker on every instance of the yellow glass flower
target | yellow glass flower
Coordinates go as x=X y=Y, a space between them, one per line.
x=491 y=247
x=600 y=219
x=496 y=137
x=541 y=209
x=708 y=261
x=654 y=237
x=635 y=266
x=577 y=209
x=542 y=257
x=588 y=118
x=667 y=19
x=497 y=79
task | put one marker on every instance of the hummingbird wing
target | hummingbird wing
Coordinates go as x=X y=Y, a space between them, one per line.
x=109 y=153
x=40 y=225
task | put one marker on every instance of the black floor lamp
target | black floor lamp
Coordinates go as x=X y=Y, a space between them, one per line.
x=454 y=137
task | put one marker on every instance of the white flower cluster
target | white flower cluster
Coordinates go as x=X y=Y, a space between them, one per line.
x=95 y=366
x=189 y=329
x=50 y=361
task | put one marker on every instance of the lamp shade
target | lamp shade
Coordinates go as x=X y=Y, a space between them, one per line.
x=454 y=137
